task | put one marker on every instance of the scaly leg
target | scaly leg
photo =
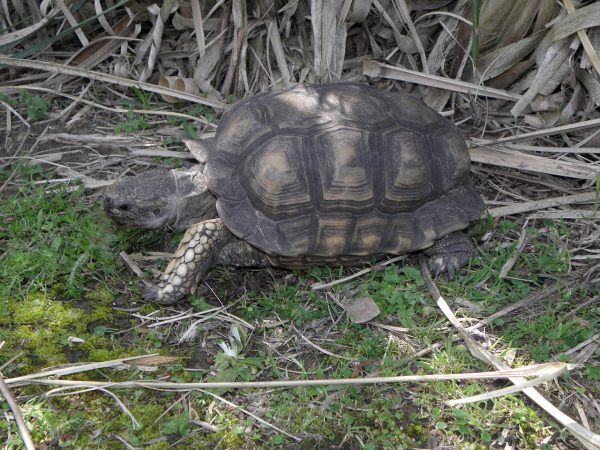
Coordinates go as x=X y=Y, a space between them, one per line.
x=195 y=255
x=449 y=253
x=239 y=253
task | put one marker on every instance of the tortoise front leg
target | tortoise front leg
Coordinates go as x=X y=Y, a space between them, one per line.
x=195 y=255
x=450 y=253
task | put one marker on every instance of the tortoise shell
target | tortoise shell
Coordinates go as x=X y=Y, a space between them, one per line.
x=340 y=169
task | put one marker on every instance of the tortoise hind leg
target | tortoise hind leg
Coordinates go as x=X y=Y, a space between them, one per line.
x=449 y=253
x=195 y=255
x=239 y=253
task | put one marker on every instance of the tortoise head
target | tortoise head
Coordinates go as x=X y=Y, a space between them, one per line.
x=158 y=198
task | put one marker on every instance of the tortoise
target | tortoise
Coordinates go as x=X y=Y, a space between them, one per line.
x=310 y=175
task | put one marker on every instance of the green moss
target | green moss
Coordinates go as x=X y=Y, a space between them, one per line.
x=101 y=295
x=159 y=446
x=44 y=311
x=40 y=325
x=42 y=346
x=103 y=354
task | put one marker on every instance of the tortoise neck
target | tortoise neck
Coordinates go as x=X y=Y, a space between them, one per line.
x=192 y=200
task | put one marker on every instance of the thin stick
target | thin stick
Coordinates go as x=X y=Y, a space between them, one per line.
x=528 y=371
x=511 y=261
x=321 y=285
x=79 y=368
x=542 y=133
x=21 y=425
x=254 y=416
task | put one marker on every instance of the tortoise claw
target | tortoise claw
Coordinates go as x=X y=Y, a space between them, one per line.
x=160 y=294
x=450 y=263
x=437 y=264
x=449 y=254
x=151 y=293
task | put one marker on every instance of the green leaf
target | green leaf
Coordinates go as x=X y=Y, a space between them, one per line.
x=100 y=330
x=278 y=439
x=178 y=425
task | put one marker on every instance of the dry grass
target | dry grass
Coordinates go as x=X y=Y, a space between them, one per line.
x=523 y=85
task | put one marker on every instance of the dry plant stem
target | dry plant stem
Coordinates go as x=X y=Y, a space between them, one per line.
x=131 y=265
x=585 y=40
x=77 y=369
x=254 y=416
x=16 y=114
x=588 y=439
x=539 y=133
x=518 y=387
x=405 y=14
x=535 y=370
x=21 y=425
x=93 y=75
x=529 y=300
x=375 y=69
x=61 y=392
x=539 y=148
x=161 y=153
x=73 y=22
x=157 y=112
x=198 y=27
x=205 y=425
x=321 y=285
x=573 y=311
x=524 y=161
x=179 y=401
x=10 y=361
x=321 y=349
x=510 y=262
x=127 y=445
x=517 y=208
x=595 y=339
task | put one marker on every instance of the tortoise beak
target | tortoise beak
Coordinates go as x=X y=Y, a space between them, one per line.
x=117 y=208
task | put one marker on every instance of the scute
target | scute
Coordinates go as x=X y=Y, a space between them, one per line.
x=340 y=171
x=275 y=178
x=407 y=180
x=240 y=127
x=331 y=234
x=368 y=234
x=344 y=165
x=409 y=111
x=450 y=157
x=309 y=106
